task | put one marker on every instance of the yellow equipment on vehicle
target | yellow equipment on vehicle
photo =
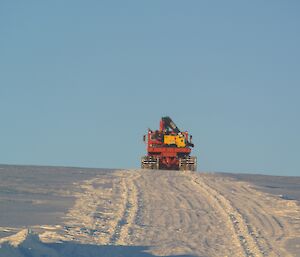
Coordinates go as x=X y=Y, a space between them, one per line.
x=178 y=140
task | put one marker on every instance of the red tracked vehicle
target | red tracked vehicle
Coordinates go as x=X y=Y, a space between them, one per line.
x=168 y=148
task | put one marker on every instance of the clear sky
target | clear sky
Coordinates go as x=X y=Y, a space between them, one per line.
x=81 y=81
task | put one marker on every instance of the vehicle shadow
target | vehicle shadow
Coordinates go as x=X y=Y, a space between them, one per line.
x=76 y=250
x=35 y=248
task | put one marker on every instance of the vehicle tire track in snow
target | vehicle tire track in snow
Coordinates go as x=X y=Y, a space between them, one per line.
x=263 y=225
x=233 y=219
x=267 y=216
x=122 y=231
x=179 y=213
x=174 y=217
x=273 y=223
x=103 y=210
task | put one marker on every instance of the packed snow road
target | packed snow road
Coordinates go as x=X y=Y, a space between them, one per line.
x=179 y=213
x=182 y=213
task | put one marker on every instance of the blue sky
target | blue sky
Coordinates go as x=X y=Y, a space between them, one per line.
x=81 y=81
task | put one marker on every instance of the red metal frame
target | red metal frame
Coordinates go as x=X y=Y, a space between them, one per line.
x=168 y=156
